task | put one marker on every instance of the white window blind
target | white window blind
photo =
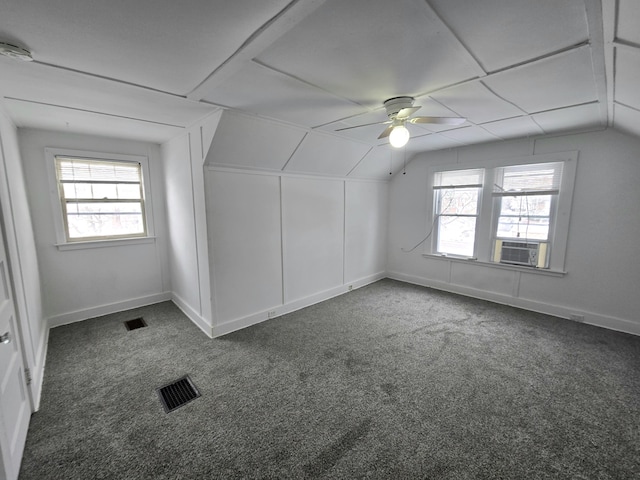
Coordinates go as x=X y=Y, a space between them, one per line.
x=458 y=178
x=542 y=178
x=101 y=199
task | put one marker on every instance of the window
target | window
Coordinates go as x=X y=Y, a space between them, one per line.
x=457 y=198
x=100 y=199
x=511 y=212
x=99 y=196
x=526 y=200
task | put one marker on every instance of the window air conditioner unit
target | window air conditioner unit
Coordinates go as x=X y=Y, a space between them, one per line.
x=530 y=254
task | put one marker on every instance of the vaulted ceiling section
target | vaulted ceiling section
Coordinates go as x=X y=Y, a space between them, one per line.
x=289 y=74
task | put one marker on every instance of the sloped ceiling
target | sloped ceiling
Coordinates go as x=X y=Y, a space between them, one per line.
x=291 y=73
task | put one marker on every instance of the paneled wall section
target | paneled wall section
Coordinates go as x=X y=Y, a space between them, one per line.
x=283 y=242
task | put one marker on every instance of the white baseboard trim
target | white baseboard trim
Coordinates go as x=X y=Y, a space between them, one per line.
x=79 y=315
x=37 y=370
x=590 y=318
x=259 y=317
x=192 y=315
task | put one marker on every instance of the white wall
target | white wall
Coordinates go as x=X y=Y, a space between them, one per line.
x=183 y=258
x=245 y=241
x=279 y=242
x=602 y=276
x=21 y=250
x=313 y=236
x=366 y=219
x=84 y=283
x=183 y=160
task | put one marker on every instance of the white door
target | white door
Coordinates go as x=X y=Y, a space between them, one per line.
x=15 y=410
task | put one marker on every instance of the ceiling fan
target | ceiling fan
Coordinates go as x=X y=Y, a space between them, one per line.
x=399 y=111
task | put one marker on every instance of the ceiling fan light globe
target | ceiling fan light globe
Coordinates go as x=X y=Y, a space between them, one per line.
x=399 y=136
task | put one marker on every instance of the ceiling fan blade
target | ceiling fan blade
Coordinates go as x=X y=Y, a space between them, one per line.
x=407 y=112
x=387 y=132
x=363 y=125
x=438 y=120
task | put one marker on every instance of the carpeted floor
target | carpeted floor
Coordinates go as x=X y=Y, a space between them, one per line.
x=388 y=381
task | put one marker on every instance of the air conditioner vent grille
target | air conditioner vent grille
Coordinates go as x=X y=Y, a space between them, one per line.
x=521 y=253
x=518 y=253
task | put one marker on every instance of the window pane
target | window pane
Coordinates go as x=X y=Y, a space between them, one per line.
x=524 y=217
x=97 y=225
x=104 y=190
x=458 y=201
x=97 y=191
x=128 y=191
x=523 y=228
x=103 y=208
x=534 y=205
x=79 y=190
x=456 y=235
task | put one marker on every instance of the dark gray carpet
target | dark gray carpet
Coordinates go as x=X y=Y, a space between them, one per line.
x=388 y=381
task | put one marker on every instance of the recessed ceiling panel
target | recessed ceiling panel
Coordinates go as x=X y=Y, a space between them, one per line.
x=368 y=134
x=559 y=81
x=628 y=15
x=476 y=103
x=54 y=86
x=379 y=115
x=627 y=119
x=470 y=135
x=370 y=50
x=47 y=117
x=500 y=33
x=326 y=155
x=378 y=163
x=250 y=142
x=514 y=127
x=627 y=75
x=570 y=118
x=163 y=44
x=260 y=90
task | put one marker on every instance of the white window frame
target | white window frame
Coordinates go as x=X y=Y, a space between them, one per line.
x=488 y=216
x=437 y=216
x=498 y=198
x=63 y=243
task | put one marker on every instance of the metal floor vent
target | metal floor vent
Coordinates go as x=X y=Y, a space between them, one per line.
x=177 y=394
x=135 y=323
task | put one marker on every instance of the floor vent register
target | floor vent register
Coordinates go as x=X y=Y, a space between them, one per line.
x=177 y=394
x=135 y=323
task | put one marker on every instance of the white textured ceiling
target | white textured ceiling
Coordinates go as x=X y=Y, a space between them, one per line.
x=296 y=71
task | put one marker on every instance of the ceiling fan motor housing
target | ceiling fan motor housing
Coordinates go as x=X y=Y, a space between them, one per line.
x=14 y=51
x=395 y=104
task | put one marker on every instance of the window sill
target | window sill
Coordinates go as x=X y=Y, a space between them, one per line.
x=500 y=266
x=104 y=243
